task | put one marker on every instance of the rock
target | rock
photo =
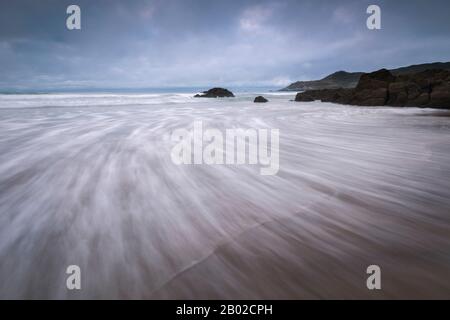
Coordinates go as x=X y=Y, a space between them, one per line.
x=372 y=89
x=326 y=95
x=370 y=97
x=398 y=94
x=260 y=99
x=215 y=93
x=343 y=96
x=378 y=79
x=440 y=95
x=421 y=101
x=429 y=88
x=303 y=97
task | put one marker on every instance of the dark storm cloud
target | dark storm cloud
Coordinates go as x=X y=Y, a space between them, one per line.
x=189 y=43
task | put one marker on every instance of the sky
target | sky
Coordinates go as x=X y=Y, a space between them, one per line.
x=187 y=43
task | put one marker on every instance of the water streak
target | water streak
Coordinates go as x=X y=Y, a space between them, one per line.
x=88 y=180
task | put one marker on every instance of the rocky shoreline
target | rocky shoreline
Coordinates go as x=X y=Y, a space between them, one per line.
x=427 y=89
x=349 y=80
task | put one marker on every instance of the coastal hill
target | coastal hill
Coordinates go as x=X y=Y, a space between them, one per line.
x=340 y=79
x=348 y=80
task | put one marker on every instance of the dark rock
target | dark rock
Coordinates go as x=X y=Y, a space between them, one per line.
x=377 y=79
x=398 y=94
x=421 y=101
x=215 y=93
x=372 y=89
x=429 y=88
x=260 y=99
x=303 y=97
x=413 y=91
x=370 y=97
x=326 y=95
x=343 y=96
x=440 y=95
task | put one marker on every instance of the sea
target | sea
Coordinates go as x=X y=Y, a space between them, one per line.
x=87 y=179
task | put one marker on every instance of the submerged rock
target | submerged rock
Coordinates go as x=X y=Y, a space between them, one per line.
x=430 y=88
x=260 y=99
x=215 y=93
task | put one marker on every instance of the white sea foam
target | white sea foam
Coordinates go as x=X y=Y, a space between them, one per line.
x=87 y=179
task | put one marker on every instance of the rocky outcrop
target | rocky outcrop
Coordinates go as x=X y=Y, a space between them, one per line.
x=430 y=88
x=326 y=95
x=372 y=89
x=215 y=93
x=260 y=99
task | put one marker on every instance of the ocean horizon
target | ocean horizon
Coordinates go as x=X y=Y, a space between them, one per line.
x=136 y=90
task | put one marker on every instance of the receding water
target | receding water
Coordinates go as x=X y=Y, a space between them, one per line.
x=88 y=180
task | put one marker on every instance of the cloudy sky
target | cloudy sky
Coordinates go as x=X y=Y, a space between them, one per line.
x=167 y=43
